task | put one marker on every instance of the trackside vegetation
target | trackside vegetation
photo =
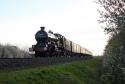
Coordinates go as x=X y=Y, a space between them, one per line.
x=113 y=16
x=10 y=51
x=80 y=72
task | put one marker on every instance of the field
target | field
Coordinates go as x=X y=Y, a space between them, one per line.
x=80 y=72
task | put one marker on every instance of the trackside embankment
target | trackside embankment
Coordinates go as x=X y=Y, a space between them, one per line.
x=80 y=72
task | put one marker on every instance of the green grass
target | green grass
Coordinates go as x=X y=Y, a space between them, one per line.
x=82 y=72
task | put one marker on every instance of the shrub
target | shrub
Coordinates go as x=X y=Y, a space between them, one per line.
x=9 y=51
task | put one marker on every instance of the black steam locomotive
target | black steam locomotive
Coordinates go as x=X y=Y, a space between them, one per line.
x=54 y=44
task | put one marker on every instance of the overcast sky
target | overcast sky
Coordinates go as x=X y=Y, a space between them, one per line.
x=75 y=19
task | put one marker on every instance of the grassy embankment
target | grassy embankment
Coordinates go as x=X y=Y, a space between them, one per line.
x=82 y=72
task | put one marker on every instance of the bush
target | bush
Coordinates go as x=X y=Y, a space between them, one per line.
x=9 y=51
x=114 y=60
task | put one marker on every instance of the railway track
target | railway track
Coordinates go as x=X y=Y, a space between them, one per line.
x=18 y=63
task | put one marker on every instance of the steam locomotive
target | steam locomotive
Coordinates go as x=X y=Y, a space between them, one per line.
x=55 y=44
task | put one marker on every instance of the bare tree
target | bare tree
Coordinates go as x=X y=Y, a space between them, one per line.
x=113 y=16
